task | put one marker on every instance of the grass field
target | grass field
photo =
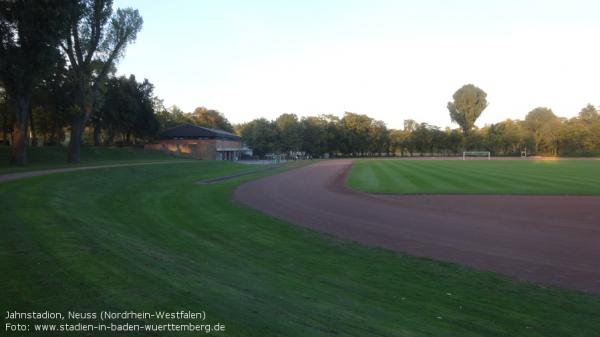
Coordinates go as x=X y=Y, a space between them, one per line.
x=561 y=177
x=56 y=156
x=147 y=238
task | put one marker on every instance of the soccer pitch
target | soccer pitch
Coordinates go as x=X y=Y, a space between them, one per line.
x=535 y=177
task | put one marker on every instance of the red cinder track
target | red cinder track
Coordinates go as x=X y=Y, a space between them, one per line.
x=546 y=239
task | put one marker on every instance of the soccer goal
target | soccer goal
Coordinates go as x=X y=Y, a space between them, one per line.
x=480 y=154
x=524 y=153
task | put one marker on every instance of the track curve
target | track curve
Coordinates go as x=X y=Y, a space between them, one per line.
x=546 y=239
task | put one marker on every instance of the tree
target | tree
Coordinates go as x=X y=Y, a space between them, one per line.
x=96 y=41
x=453 y=140
x=504 y=138
x=422 y=137
x=5 y=117
x=335 y=134
x=29 y=36
x=590 y=120
x=573 y=137
x=356 y=129
x=171 y=117
x=211 y=119
x=469 y=102
x=314 y=135
x=128 y=108
x=475 y=141
x=589 y=114
x=50 y=103
x=289 y=133
x=260 y=135
x=541 y=121
x=379 y=138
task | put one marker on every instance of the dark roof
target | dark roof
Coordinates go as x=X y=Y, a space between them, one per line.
x=190 y=131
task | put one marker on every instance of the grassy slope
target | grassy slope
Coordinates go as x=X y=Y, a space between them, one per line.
x=56 y=156
x=476 y=177
x=148 y=238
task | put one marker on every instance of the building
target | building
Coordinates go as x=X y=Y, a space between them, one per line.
x=198 y=142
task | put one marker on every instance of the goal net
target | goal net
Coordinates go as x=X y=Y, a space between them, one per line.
x=477 y=154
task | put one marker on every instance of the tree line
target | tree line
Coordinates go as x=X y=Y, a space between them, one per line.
x=541 y=132
x=58 y=82
x=353 y=134
x=57 y=66
x=201 y=116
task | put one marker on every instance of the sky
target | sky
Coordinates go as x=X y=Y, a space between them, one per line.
x=393 y=60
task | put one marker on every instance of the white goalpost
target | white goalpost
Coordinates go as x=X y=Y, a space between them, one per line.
x=524 y=153
x=480 y=154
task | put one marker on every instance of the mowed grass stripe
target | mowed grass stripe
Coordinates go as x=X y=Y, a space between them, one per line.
x=572 y=177
x=530 y=179
x=489 y=182
x=495 y=178
x=444 y=179
x=385 y=173
x=501 y=178
x=373 y=175
x=529 y=176
x=444 y=174
x=416 y=178
x=403 y=175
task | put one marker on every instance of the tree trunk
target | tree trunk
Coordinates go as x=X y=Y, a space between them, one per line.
x=5 y=128
x=97 y=131
x=20 y=128
x=111 y=137
x=77 y=127
x=77 y=124
x=32 y=128
x=53 y=135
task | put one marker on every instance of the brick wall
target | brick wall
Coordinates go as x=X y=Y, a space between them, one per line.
x=193 y=148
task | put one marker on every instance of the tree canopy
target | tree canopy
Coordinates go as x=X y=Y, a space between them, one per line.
x=96 y=41
x=541 y=133
x=127 y=109
x=30 y=32
x=469 y=102
x=542 y=122
x=211 y=119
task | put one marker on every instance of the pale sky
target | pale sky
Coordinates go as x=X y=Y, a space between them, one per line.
x=392 y=60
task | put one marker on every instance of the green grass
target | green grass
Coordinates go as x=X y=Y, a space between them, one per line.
x=147 y=238
x=56 y=156
x=560 y=177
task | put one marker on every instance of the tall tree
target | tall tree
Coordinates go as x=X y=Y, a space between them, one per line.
x=260 y=135
x=5 y=116
x=171 y=117
x=314 y=135
x=96 y=41
x=357 y=129
x=211 y=119
x=335 y=134
x=288 y=132
x=30 y=31
x=128 y=108
x=540 y=121
x=379 y=138
x=469 y=102
x=589 y=114
x=453 y=139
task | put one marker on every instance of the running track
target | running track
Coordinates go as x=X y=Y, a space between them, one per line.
x=544 y=239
